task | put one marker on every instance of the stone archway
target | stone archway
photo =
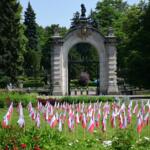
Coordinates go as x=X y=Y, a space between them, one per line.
x=84 y=32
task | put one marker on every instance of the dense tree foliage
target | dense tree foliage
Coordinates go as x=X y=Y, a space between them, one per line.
x=130 y=26
x=31 y=28
x=25 y=49
x=11 y=41
x=33 y=54
x=108 y=12
x=138 y=60
x=83 y=57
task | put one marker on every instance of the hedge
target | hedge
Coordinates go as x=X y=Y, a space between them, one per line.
x=75 y=99
x=33 y=84
x=86 y=99
x=7 y=97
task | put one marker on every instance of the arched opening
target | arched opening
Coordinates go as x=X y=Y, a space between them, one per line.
x=83 y=70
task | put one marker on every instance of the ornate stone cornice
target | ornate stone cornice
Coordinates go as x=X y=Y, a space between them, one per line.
x=57 y=40
x=84 y=32
x=110 y=40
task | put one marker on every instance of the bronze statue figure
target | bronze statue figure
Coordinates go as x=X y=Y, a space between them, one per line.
x=83 y=10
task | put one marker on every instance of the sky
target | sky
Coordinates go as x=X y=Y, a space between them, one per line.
x=59 y=11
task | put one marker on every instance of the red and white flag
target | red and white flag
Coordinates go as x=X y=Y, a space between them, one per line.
x=77 y=118
x=37 y=120
x=113 y=120
x=135 y=110
x=7 y=117
x=104 y=123
x=129 y=116
x=5 y=122
x=71 y=121
x=124 y=120
x=53 y=122
x=122 y=109
x=91 y=125
x=97 y=120
x=21 y=120
x=120 y=121
x=146 y=118
x=139 y=123
x=60 y=125
x=83 y=121
x=47 y=114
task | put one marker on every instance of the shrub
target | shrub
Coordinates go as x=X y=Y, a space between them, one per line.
x=4 y=81
x=33 y=83
x=31 y=138
x=74 y=83
x=123 y=140
x=51 y=100
x=7 y=97
x=84 y=79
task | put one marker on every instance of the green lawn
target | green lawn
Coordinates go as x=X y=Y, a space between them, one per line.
x=78 y=139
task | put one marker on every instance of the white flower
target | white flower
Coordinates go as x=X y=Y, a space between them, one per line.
x=146 y=138
x=107 y=143
x=115 y=138
x=70 y=144
x=138 y=141
x=133 y=146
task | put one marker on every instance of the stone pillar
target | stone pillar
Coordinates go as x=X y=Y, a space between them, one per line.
x=56 y=65
x=112 y=63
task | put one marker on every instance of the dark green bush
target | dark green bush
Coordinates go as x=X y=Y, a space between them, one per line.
x=33 y=83
x=123 y=140
x=74 y=83
x=13 y=137
x=4 y=80
x=92 y=83
x=2 y=104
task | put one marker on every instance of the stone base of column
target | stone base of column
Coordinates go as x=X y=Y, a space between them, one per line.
x=57 y=91
x=112 y=90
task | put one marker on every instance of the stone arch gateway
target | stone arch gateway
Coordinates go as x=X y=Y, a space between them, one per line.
x=84 y=32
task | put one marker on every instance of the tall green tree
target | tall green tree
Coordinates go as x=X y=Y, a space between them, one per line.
x=112 y=13
x=31 y=28
x=107 y=12
x=10 y=41
x=131 y=25
x=138 y=62
x=33 y=54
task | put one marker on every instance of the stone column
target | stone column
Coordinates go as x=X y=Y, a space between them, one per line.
x=112 y=63
x=56 y=65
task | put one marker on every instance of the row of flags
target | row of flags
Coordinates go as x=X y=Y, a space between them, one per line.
x=90 y=116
